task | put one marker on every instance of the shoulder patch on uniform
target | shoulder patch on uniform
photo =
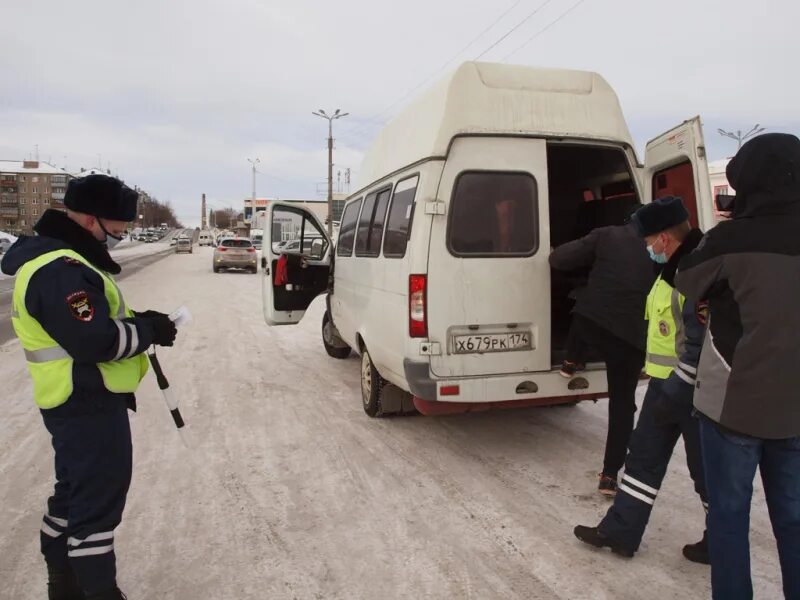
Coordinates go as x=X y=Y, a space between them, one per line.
x=72 y=261
x=80 y=307
x=701 y=310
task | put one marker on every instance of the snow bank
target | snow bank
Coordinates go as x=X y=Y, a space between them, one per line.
x=8 y=236
x=13 y=239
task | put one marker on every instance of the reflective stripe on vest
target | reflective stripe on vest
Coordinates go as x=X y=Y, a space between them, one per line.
x=50 y=365
x=46 y=354
x=666 y=337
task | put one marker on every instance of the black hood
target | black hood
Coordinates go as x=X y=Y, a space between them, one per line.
x=56 y=232
x=766 y=176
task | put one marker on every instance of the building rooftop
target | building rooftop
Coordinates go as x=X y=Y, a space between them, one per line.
x=718 y=166
x=30 y=166
x=249 y=201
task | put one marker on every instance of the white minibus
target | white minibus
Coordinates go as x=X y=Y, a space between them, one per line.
x=439 y=278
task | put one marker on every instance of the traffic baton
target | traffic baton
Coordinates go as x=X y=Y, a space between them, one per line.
x=172 y=403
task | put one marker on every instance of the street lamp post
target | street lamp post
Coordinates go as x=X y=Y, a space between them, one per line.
x=331 y=118
x=738 y=135
x=254 y=163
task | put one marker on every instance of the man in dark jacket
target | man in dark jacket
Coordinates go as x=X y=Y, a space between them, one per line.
x=609 y=318
x=748 y=381
x=84 y=348
x=674 y=338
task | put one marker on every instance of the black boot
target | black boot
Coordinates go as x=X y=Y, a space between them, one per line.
x=698 y=552
x=594 y=537
x=114 y=594
x=62 y=584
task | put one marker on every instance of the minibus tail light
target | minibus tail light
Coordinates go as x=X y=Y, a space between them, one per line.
x=417 y=306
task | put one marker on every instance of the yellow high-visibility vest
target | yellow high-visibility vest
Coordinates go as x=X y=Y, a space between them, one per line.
x=665 y=334
x=49 y=364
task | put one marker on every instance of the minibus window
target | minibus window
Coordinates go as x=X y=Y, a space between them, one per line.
x=347 y=229
x=394 y=245
x=493 y=214
x=367 y=212
x=678 y=180
x=376 y=226
x=370 y=224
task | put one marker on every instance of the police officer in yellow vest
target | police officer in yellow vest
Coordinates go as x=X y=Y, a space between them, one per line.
x=675 y=333
x=84 y=348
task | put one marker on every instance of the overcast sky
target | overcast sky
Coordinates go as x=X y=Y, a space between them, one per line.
x=177 y=94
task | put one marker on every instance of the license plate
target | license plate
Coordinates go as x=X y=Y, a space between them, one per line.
x=492 y=342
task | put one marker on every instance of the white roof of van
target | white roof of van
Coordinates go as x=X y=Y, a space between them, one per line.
x=487 y=98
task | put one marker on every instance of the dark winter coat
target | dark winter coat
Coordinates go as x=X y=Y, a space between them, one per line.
x=88 y=342
x=677 y=391
x=620 y=278
x=749 y=270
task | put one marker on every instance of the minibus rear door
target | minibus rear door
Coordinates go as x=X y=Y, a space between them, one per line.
x=676 y=165
x=488 y=283
x=295 y=263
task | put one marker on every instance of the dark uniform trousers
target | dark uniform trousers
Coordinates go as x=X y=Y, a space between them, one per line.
x=624 y=363
x=93 y=462
x=649 y=454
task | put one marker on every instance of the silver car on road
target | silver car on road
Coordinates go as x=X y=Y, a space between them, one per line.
x=235 y=253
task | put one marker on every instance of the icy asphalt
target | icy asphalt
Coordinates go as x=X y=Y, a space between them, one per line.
x=290 y=491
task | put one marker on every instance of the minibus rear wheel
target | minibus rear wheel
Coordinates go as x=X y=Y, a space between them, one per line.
x=371 y=384
x=340 y=352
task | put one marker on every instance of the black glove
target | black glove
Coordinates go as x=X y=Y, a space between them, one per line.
x=164 y=330
x=148 y=314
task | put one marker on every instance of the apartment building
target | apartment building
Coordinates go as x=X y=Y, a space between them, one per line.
x=27 y=189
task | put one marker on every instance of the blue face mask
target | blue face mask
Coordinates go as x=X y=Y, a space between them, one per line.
x=660 y=258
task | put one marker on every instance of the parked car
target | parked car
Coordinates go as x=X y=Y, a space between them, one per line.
x=184 y=244
x=426 y=283
x=294 y=245
x=235 y=253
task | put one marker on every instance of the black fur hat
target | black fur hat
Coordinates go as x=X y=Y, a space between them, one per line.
x=101 y=196
x=660 y=215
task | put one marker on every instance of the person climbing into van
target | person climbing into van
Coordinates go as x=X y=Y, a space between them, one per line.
x=608 y=320
x=675 y=333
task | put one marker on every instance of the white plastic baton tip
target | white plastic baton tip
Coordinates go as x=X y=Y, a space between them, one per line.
x=186 y=437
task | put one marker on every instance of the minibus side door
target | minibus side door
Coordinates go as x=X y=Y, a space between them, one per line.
x=676 y=165
x=295 y=263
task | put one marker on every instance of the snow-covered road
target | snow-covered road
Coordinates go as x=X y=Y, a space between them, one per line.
x=291 y=491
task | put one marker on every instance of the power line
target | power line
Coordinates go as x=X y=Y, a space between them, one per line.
x=363 y=129
x=360 y=132
x=513 y=29
x=545 y=28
